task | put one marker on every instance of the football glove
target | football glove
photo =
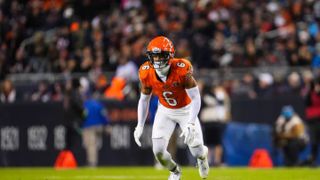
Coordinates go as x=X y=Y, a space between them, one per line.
x=137 y=134
x=189 y=134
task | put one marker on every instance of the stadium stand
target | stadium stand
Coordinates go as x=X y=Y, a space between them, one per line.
x=256 y=50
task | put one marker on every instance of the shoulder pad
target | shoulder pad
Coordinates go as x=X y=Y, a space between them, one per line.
x=143 y=70
x=182 y=65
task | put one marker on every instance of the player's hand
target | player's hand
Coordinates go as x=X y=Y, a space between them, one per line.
x=137 y=134
x=189 y=134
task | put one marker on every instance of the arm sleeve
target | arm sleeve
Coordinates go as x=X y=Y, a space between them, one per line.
x=194 y=94
x=143 y=108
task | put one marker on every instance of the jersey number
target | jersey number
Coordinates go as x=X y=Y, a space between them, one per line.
x=181 y=64
x=145 y=67
x=170 y=101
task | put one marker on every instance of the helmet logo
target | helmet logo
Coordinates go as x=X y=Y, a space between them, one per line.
x=156 y=50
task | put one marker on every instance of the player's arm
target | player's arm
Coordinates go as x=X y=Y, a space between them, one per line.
x=143 y=109
x=194 y=93
x=143 y=104
x=144 y=89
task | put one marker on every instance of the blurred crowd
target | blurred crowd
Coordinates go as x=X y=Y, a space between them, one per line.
x=95 y=36
x=92 y=37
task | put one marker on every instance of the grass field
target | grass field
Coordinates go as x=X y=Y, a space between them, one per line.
x=149 y=173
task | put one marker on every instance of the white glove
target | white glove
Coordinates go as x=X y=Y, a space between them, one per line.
x=189 y=134
x=137 y=134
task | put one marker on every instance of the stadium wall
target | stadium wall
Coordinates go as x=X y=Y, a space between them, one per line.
x=32 y=134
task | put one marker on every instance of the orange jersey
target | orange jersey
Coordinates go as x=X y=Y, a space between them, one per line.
x=172 y=93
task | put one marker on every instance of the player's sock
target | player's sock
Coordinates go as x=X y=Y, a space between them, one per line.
x=175 y=173
x=198 y=151
x=203 y=164
x=166 y=160
x=174 y=169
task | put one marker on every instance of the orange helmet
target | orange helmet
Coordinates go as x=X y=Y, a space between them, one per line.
x=161 y=47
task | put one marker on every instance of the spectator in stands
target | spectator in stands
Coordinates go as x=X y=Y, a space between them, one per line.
x=68 y=37
x=290 y=135
x=21 y=62
x=245 y=87
x=240 y=34
x=86 y=59
x=126 y=73
x=307 y=78
x=8 y=93
x=312 y=113
x=100 y=83
x=3 y=63
x=294 y=84
x=215 y=114
x=126 y=68
x=94 y=126
x=57 y=92
x=265 y=86
x=38 y=54
x=73 y=111
x=42 y=93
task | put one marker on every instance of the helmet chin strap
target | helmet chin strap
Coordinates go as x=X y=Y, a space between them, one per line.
x=163 y=72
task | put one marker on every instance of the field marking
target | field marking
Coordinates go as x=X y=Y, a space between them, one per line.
x=108 y=177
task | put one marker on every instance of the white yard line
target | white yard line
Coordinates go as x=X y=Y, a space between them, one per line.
x=108 y=177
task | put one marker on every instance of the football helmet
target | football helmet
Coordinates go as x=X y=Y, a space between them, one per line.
x=161 y=48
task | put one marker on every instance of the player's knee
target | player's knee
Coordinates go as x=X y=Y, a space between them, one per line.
x=160 y=154
x=158 y=151
x=159 y=147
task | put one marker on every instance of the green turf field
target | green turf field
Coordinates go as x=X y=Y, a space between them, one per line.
x=149 y=173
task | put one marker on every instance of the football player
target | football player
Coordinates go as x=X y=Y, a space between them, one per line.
x=171 y=79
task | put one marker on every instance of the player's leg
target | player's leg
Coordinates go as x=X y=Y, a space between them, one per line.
x=198 y=149
x=162 y=130
x=164 y=157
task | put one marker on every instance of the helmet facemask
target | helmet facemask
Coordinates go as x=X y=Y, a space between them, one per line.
x=163 y=59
